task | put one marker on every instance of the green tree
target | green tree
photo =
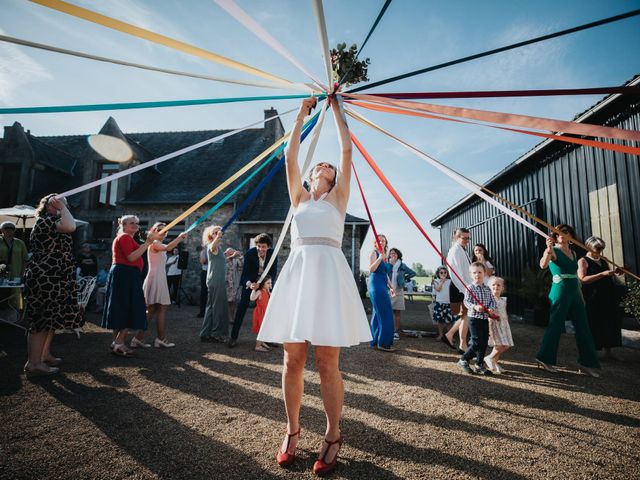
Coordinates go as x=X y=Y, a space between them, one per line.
x=419 y=269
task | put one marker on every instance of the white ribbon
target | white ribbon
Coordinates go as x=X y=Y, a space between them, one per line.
x=324 y=39
x=254 y=27
x=287 y=222
x=461 y=179
x=163 y=158
x=289 y=86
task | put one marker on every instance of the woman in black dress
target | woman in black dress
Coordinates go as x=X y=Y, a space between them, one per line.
x=602 y=297
x=51 y=292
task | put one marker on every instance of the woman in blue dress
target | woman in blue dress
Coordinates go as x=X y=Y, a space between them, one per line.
x=379 y=287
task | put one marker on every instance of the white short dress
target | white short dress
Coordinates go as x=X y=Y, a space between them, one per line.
x=500 y=331
x=155 y=286
x=315 y=298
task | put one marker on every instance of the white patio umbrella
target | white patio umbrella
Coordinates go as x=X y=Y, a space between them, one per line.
x=25 y=216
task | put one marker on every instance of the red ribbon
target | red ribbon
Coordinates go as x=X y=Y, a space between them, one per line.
x=403 y=205
x=366 y=207
x=631 y=90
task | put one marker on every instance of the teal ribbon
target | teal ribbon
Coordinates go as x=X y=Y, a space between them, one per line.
x=134 y=105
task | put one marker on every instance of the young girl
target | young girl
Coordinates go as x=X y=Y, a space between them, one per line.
x=480 y=254
x=499 y=331
x=261 y=296
x=441 y=308
x=156 y=290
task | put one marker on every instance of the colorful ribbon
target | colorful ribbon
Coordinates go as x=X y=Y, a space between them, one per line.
x=499 y=50
x=527 y=121
x=137 y=105
x=287 y=222
x=629 y=90
x=124 y=27
x=321 y=25
x=42 y=46
x=373 y=27
x=263 y=183
x=563 y=138
x=254 y=27
x=166 y=157
x=366 y=207
x=404 y=207
x=479 y=190
x=210 y=212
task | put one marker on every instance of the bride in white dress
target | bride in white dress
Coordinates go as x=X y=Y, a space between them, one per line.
x=315 y=300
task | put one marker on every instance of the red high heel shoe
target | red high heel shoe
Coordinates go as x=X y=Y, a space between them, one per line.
x=321 y=467
x=285 y=458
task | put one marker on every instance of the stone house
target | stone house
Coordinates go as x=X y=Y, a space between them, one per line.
x=31 y=167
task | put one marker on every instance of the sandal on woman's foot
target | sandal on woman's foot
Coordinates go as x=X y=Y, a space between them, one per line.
x=285 y=458
x=39 y=371
x=135 y=343
x=321 y=466
x=546 y=366
x=121 y=350
x=262 y=348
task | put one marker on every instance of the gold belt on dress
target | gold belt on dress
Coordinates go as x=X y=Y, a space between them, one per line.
x=329 y=242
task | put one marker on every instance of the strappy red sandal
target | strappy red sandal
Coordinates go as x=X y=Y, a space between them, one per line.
x=321 y=467
x=285 y=458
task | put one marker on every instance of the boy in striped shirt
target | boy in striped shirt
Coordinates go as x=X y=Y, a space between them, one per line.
x=480 y=306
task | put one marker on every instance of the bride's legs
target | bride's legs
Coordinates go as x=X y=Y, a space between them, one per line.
x=332 y=391
x=295 y=357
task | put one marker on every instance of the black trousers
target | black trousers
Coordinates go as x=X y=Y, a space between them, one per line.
x=173 y=282
x=204 y=291
x=479 y=329
x=240 y=311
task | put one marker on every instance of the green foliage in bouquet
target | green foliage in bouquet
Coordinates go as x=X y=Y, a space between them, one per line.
x=344 y=62
x=631 y=301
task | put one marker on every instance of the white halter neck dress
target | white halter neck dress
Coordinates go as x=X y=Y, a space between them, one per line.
x=315 y=299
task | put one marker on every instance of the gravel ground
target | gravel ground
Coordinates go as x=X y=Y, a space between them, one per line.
x=202 y=410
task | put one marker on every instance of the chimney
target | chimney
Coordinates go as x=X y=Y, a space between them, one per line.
x=273 y=130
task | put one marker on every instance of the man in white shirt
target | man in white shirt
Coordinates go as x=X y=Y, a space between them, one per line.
x=459 y=260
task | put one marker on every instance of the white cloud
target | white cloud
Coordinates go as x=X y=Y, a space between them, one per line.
x=17 y=70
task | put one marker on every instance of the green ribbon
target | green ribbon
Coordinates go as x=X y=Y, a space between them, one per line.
x=134 y=105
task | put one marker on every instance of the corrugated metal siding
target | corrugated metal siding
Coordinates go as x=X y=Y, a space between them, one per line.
x=555 y=187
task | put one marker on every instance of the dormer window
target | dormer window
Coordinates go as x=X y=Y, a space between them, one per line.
x=108 y=194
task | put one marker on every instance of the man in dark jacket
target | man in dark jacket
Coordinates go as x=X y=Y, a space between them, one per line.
x=255 y=261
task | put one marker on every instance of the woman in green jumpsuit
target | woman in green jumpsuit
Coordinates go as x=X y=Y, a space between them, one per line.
x=566 y=303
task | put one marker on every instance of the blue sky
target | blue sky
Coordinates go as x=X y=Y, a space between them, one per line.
x=412 y=35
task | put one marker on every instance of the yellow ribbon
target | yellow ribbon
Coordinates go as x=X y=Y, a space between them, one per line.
x=154 y=37
x=225 y=184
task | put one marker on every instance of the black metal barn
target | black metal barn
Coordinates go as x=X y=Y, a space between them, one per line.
x=597 y=191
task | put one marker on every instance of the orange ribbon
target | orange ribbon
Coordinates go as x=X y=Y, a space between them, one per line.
x=563 y=138
x=526 y=121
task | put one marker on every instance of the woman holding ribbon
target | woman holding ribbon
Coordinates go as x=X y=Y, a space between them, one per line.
x=566 y=303
x=315 y=301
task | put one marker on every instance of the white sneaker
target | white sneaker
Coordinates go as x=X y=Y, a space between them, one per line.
x=396 y=336
x=491 y=365
x=135 y=343
x=499 y=369
x=163 y=343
